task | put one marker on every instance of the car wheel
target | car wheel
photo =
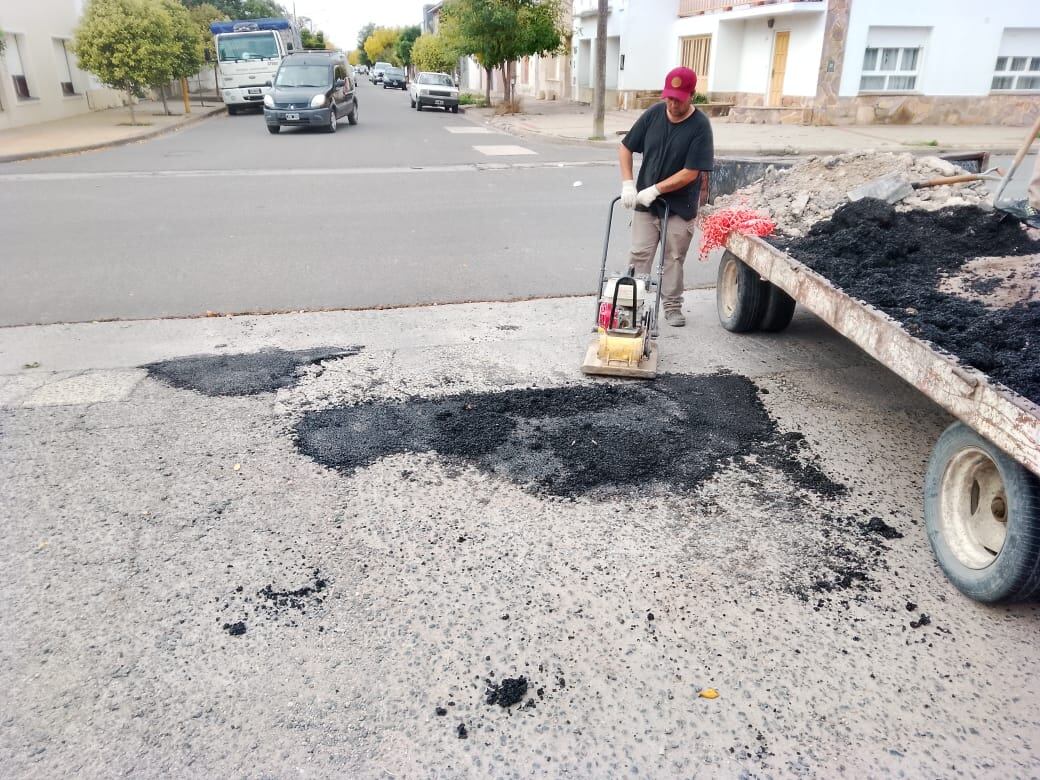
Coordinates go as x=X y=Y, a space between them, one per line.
x=352 y=117
x=412 y=102
x=418 y=106
x=333 y=121
x=232 y=110
x=454 y=109
x=273 y=129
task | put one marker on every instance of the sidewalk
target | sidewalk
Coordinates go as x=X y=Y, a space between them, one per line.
x=98 y=129
x=572 y=122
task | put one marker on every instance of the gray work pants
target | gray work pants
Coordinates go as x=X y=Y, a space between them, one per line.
x=646 y=235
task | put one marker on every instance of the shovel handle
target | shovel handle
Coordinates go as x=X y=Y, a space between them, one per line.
x=1033 y=131
x=948 y=180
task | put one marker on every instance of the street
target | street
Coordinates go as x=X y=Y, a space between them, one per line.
x=374 y=522
x=223 y=217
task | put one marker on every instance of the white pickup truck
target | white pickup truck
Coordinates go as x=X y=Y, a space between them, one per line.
x=249 y=52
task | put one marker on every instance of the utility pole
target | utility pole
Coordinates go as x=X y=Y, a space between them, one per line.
x=600 y=93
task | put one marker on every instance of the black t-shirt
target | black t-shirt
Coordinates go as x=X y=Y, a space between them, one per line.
x=668 y=147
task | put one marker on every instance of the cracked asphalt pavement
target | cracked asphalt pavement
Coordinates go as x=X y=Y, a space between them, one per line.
x=192 y=588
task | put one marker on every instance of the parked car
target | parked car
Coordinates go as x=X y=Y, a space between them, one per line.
x=311 y=89
x=434 y=89
x=377 y=72
x=396 y=78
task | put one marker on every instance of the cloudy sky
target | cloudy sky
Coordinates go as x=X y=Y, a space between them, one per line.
x=341 y=19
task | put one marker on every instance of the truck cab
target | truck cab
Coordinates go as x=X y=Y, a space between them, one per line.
x=248 y=55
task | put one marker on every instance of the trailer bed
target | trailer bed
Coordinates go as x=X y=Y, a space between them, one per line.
x=1002 y=416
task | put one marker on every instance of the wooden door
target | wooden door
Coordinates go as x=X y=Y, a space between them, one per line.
x=776 y=76
x=695 y=54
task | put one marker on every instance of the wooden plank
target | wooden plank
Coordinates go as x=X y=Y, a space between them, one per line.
x=1006 y=418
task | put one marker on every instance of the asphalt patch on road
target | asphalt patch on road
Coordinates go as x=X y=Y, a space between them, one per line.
x=243 y=374
x=895 y=261
x=587 y=440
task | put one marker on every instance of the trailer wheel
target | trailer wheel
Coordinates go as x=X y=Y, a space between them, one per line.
x=982 y=512
x=740 y=295
x=779 y=310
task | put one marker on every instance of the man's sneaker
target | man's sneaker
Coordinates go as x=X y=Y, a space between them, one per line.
x=675 y=318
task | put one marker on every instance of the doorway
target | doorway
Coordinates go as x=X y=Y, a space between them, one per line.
x=776 y=75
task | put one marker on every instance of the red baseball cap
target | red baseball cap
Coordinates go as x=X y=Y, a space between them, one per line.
x=679 y=84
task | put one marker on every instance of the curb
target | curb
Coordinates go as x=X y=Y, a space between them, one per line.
x=196 y=117
x=916 y=149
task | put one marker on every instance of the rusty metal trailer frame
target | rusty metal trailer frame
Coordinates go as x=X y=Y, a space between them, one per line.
x=1008 y=420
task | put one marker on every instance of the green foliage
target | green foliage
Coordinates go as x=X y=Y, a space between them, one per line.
x=127 y=44
x=186 y=46
x=471 y=99
x=405 y=42
x=202 y=15
x=3 y=41
x=243 y=9
x=499 y=31
x=315 y=40
x=363 y=35
x=434 y=52
x=699 y=98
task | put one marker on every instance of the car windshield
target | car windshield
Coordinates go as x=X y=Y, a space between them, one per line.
x=394 y=72
x=302 y=76
x=249 y=46
x=436 y=78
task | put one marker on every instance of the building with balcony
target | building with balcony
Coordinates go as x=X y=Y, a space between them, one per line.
x=825 y=61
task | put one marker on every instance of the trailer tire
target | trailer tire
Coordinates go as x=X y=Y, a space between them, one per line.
x=982 y=514
x=779 y=310
x=740 y=295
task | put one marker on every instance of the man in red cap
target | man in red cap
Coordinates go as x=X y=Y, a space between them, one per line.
x=678 y=152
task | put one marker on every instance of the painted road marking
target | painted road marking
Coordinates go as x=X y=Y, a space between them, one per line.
x=503 y=150
x=250 y=173
x=472 y=130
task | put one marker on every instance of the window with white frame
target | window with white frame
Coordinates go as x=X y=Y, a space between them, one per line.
x=13 y=60
x=1017 y=73
x=62 y=57
x=890 y=69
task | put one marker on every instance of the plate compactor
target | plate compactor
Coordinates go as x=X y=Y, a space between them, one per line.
x=627 y=307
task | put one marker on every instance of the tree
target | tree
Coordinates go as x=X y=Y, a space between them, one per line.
x=354 y=58
x=315 y=40
x=243 y=9
x=203 y=15
x=363 y=34
x=126 y=44
x=434 y=52
x=499 y=32
x=380 y=45
x=185 y=46
x=407 y=39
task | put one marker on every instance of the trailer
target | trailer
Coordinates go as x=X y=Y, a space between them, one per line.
x=982 y=485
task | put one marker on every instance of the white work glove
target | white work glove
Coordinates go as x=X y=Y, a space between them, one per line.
x=628 y=193
x=648 y=196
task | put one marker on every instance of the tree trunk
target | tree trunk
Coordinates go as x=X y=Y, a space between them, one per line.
x=600 y=93
x=130 y=103
x=488 y=73
x=162 y=95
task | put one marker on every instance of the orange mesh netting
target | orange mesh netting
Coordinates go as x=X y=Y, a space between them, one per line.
x=716 y=227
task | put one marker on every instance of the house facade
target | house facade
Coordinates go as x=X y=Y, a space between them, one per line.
x=824 y=61
x=39 y=78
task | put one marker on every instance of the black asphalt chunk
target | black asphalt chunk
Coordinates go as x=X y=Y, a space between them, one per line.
x=508 y=692
x=896 y=260
x=592 y=439
x=243 y=374
x=235 y=629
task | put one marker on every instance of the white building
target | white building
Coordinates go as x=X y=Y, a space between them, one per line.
x=825 y=61
x=39 y=79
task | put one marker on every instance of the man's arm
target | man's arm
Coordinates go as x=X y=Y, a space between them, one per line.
x=679 y=180
x=625 y=158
